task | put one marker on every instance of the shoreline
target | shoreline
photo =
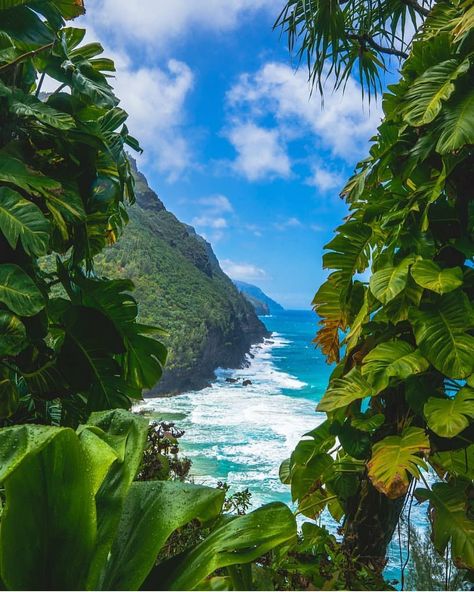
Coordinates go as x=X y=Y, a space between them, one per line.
x=203 y=382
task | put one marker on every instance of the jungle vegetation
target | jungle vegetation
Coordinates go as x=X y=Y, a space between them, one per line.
x=401 y=397
x=73 y=355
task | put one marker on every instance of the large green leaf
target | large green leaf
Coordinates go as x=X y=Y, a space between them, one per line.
x=456 y=462
x=15 y=172
x=48 y=522
x=305 y=475
x=19 y=292
x=86 y=357
x=343 y=391
x=144 y=360
x=349 y=252
x=449 y=417
x=238 y=540
x=12 y=334
x=388 y=282
x=125 y=433
x=425 y=96
x=451 y=521
x=429 y=274
x=441 y=332
x=457 y=123
x=152 y=512
x=392 y=359
x=28 y=106
x=395 y=458
x=21 y=219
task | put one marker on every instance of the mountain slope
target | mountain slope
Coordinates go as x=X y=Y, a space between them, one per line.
x=258 y=298
x=181 y=288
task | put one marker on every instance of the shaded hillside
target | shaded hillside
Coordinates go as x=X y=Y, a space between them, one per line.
x=258 y=298
x=181 y=288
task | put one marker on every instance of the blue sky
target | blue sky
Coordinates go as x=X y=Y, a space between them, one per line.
x=233 y=144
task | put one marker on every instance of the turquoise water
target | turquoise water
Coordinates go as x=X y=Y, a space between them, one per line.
x=242 y=434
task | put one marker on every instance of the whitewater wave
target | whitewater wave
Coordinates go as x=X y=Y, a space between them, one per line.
x=242 y=434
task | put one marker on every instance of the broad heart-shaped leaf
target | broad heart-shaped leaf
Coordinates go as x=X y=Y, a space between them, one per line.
x=343 y=391
x=22 y=219
x=152 y=512
x=395 y=458
x=459 y=463
x=305 y=475
x=449 y=417
x=388 y=282
x=237 y=540
x=392 y=359
x=456 y=124
x=19 y=292
x=48 y=523
x=441 y=332
x=451 y=521
x=349 y=252
x=429 y=274
x=425 y=96
x=368 y=423
x=12 y=334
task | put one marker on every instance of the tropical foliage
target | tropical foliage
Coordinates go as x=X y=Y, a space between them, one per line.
x=92 y=527
x=69 y=340
x=401 y=396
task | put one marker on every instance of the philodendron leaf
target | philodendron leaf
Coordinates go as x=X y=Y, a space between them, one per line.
x=12 y=334
x=343 y=391
x=238 y=540
x=429 y=275
x=48 y=522
x=152 y=512
x=426 y=95
x=441 y=332
x=395 y=458
x=449 y=417
x=457 y=462
x=19 y=292
x=451 y=521
x=368 y=423
x=22 y=220
x=392 y=359
x=388 y=282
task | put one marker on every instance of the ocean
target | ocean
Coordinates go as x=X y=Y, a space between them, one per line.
x=240 y=435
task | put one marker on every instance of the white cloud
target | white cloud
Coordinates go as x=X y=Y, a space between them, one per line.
x=342 y=127
x=155 y=23
x=260 y=152
x=209 y=222
x=290 y=223
x=155 y=100
x=324 y=179
x=243 y=271
x=217 y=203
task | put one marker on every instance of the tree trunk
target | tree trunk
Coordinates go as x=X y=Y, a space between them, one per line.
x=369 y=526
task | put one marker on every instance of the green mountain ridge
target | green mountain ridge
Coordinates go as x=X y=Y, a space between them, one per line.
x=181 y=288
x=262 y=303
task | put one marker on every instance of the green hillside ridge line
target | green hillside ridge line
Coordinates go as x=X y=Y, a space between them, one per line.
x=258 y=298
x=181 y=288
